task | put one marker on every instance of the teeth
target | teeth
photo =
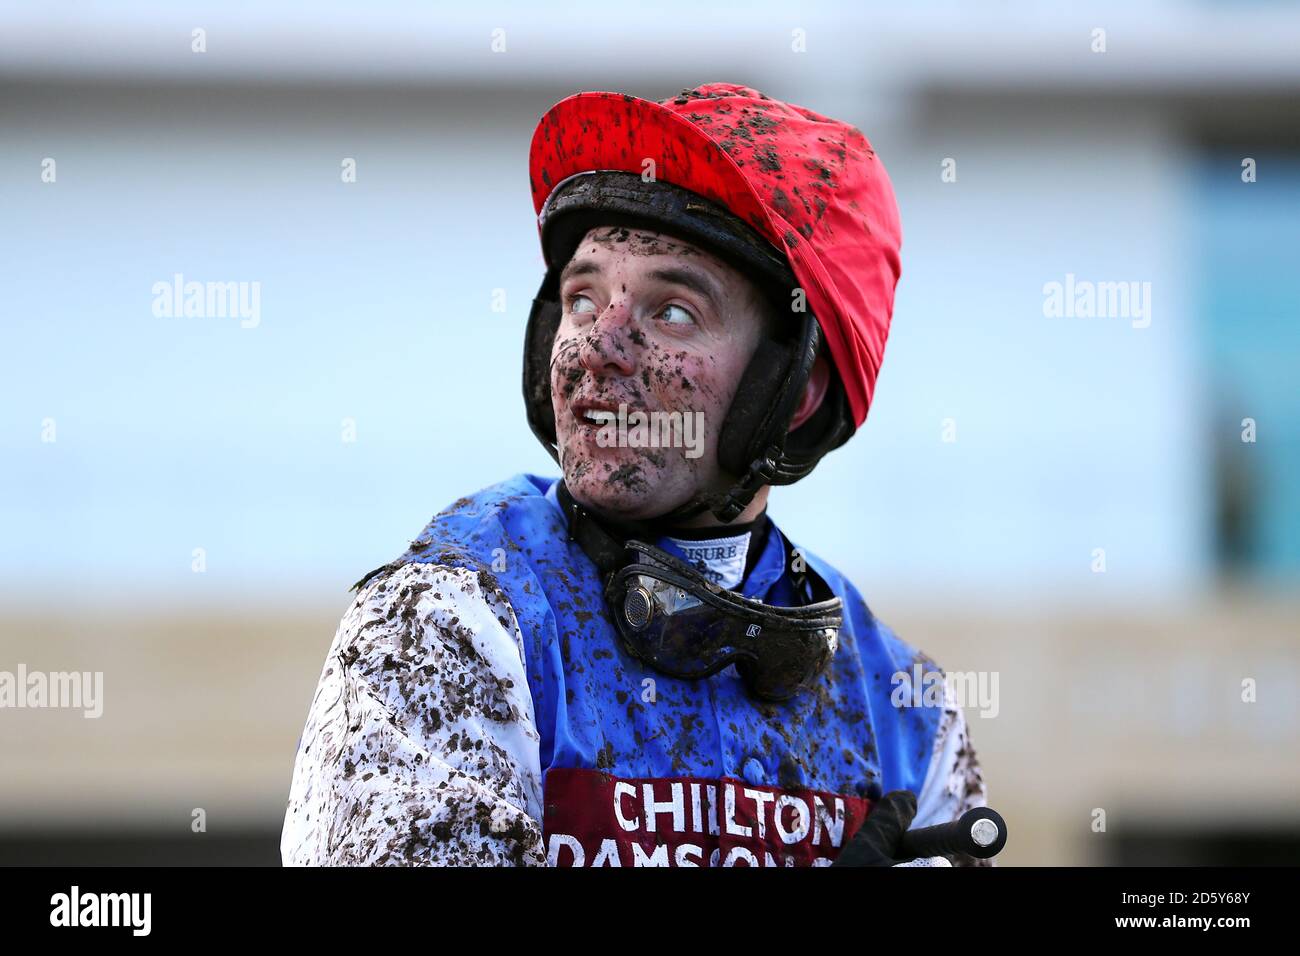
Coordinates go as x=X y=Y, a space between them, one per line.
x=598 y=417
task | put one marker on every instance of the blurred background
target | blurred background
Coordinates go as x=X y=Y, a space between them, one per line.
x=1077 y=504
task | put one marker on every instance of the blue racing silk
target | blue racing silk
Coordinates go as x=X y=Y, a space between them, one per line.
x=639 y=767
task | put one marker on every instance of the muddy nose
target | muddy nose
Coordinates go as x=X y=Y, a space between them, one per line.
x=607 y=347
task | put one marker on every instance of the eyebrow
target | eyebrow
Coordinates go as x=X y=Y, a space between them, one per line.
x=579 y=267
x=693 y=279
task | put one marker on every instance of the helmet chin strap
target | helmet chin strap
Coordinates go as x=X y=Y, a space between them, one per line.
x=726 y=506
x=761 y=472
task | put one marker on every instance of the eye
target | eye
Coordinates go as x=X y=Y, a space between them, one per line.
x=676 y=315
x=579 y=304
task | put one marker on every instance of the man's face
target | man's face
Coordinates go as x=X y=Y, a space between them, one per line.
x=650 y=325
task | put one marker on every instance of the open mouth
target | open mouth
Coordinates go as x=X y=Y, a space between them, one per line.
x=597 y=416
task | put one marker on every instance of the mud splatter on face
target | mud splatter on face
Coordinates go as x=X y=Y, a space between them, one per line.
x=655 y=325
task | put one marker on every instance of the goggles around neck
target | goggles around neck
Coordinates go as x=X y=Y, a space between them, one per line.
x=672 y=618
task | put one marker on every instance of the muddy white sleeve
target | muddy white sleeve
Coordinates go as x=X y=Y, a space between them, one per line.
x=420 y=747
x=954 y=782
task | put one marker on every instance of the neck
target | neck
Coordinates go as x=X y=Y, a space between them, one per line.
x=707 y=520
x=641 y=528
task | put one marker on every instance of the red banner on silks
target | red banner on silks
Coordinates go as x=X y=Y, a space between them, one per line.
x=595 y=819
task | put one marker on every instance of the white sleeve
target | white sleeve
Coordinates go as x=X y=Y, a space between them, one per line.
x=420 y=747
x=954 y=782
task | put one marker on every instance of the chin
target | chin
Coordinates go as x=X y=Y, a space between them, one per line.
x=599 y=494
x=626 y=492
